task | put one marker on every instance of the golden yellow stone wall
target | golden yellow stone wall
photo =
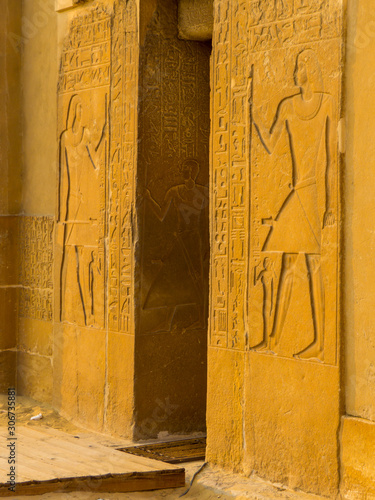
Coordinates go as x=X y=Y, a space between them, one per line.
x=10 y=189
x=275 y=215
x=357 y=437
x=35 y=308
x=94 y=326
x=172 y=263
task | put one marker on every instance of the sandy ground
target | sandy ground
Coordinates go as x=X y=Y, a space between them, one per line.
x=209 y=484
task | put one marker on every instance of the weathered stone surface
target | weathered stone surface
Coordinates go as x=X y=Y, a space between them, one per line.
x=34 y=376
x=79 y=374
x=275 y=199
x=359 y=296
x=173 y=252
x=97 y=103
x=7 y=370
x=106 y=302
x=10 y=185
x=195 y=19
x=358 y=458
x=8 y=317
x=119 y=389
x=40 y=49
x=225 y=419
x=35 y=336
x=9 y=250
x=61 y=5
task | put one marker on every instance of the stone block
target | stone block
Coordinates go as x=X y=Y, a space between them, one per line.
x=9 y=250
x=79 y=377
x=61 y=5
x=195 y=19
x=7 y=370
x=275 y=226
x=35 y=336
x=8 y=318
x=170 y=383
x=34 y=376
x=120 y=385
x=357 y=458
x=225 y=393
x=291 y=421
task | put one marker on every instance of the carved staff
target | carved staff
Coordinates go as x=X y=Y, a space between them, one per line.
x=250 y=93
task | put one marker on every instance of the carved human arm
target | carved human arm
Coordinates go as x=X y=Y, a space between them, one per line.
x=95 y=138
x=63 y=180
x=63 y=193
x=270 y=137
x=329 y=216
x=159 y=211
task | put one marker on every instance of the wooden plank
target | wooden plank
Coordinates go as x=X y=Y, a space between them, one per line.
x=119 y=483
x=94 y=450
x=53 y=461
x=105 y=460
x=173 y=451
x=56 y=456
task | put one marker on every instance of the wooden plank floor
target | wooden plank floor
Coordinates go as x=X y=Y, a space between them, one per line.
x=173 y=452
x=50 y=460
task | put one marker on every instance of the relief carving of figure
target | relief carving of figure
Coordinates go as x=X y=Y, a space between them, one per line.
x=79 y=215
x=182 y=278
x=297 y=227
x=267 y=276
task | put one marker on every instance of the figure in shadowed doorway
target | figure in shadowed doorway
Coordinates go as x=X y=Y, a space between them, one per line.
x=183 y=277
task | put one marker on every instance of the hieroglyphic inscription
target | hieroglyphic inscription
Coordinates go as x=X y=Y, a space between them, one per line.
x=122 y=158
x=36 y=276
x=87 y=52
x=279 y=23
x=174 y=133
x=97 y=153
x=230 y=82
x=83 y=152
x=255 y=47
x=293 y=116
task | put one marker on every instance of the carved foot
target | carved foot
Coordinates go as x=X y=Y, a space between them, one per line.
x=312 y=352
x=262 y=347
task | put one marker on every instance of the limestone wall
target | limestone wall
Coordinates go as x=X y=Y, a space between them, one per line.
x=94 y=329
x=275 y=216
x=105 y=145
x=10 y=189
x=358 y=469
x=173 y=256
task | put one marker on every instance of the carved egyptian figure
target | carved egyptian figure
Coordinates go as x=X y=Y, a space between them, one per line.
x=189 y=255
x=79 y=212
x=296 y=228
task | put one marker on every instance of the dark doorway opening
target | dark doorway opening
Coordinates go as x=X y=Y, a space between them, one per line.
x=174 y=131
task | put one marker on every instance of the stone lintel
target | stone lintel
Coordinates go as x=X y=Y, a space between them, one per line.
x=195 y=19
x=61 y=5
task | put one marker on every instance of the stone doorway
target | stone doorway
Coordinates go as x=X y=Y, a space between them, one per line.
x=173 y=252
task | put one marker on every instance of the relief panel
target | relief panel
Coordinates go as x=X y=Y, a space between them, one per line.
x=275 y=177
x=174 y=131
x=96 y=165
x=36 y=267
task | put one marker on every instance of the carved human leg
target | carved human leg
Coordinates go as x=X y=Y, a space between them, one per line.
x=284 y=294
x=316 y=348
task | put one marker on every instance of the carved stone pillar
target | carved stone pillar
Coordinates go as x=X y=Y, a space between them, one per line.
x=131 y=272
x=274 y=355
x=10 y=189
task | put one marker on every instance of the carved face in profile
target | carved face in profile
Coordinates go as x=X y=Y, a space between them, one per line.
x=307 y=70
x=300 y=73
x=267 y=263
x=74 y=117
x=189 y=169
